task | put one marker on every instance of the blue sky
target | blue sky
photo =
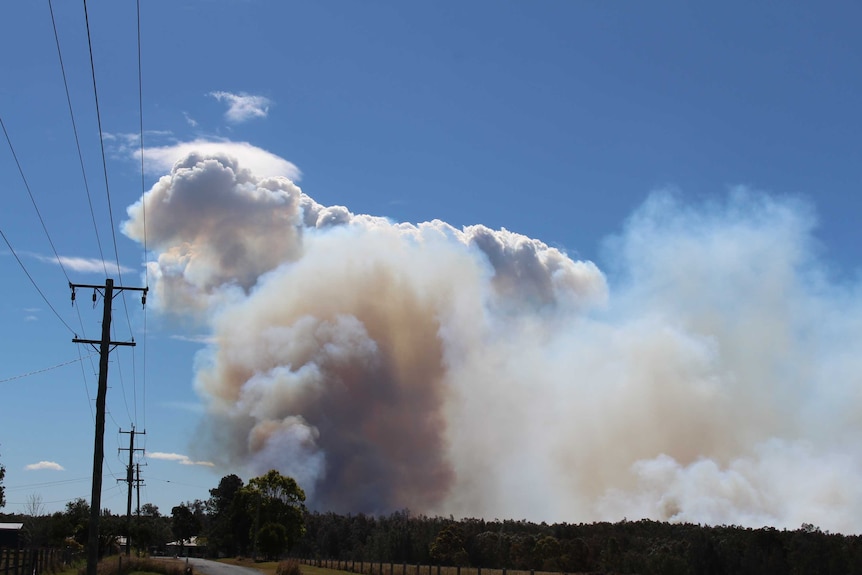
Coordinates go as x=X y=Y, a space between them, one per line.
x=555 y=120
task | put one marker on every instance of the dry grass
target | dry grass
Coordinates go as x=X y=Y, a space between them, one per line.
x=117 y=565
x=366 y=568
x=288 y=567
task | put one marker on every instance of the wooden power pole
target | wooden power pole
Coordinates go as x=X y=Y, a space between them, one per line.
x=105 y=345
x=130 y=474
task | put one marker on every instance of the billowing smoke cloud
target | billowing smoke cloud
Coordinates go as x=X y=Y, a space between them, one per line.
x=480 y=372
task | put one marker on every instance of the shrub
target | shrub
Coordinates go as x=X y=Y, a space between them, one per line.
x=288 y=567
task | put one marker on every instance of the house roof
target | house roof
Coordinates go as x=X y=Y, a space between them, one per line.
x=193 y=542
x=12 y=526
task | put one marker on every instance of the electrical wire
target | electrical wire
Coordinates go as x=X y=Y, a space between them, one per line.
x=144 y=215
x=32 y=199
x=77 y=140
x=84 y=378
x=105 y=163
x=32 y=281
x=43 y=370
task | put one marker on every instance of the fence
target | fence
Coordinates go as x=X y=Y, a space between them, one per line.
x=377 y=568
x=15 y=561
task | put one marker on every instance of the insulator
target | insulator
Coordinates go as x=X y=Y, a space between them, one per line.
x=144 y=299
x=94 y=296
x=73 y=294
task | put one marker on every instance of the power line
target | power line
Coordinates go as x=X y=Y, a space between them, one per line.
x=43 y=370
x=46 y=483
x=32 y=281
x=77 y=140
x=104 y=161
x=32 y=199
x=84 y=378
x=144 y=215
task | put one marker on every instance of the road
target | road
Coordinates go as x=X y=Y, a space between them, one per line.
x=208 y=567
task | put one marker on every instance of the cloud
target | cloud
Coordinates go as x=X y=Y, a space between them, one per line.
x=84 y=265
x=191 y=121
x=243 y=107
x=125 y=145
x=205 y=339
x=179 y=458
x=190 y=406
x=49 y=465
x=161 y=159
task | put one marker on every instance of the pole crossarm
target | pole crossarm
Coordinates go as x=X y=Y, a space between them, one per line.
x=101 y=287
x=105 y=346
x=99 y=342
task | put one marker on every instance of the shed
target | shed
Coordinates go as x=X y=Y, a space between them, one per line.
x=10 y=534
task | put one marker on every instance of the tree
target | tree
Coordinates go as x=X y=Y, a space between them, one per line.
x=230 y=521
x=184 y=524
x=150 y=510
x=272 y=539
x=277 y=499
x=2 y=489
x=78 y=515
x=151 y=529
x=34 y=506
x=448 y=547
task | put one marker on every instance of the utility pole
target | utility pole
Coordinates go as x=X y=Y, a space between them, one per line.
x=105 y=347
x=138 y=483
x=130 y=480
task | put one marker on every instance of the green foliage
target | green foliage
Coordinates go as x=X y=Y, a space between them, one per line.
x=272 y=540
x=78 y=516
x=277 y=499
x=229 y=523
x=184 y=523
x=448 y=547
x=2 y=489
x=627 y=547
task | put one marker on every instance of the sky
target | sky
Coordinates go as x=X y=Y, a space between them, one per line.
x=604 y=255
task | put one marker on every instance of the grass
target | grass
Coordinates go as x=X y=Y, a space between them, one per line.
x=137 y=566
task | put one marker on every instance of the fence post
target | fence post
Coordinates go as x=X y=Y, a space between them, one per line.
x=15 y=564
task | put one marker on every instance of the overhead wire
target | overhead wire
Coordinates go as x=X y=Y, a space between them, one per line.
x=105 y=162
x=143 y=211
x=77 y=140
x=33 y=281
x=33 y=199
x=44 y=369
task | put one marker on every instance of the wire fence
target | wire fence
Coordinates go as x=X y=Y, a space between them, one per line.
x=382 y=568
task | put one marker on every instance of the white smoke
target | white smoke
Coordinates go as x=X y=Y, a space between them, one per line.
x=480 y=372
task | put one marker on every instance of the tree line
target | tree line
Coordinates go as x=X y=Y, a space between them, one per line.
x=267 y=518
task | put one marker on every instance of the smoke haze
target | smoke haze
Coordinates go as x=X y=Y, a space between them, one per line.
x=480 y=372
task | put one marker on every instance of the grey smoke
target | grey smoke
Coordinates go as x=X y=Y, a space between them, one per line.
x=480 y=372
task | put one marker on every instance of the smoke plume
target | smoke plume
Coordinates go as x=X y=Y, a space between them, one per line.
x=480 y=372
